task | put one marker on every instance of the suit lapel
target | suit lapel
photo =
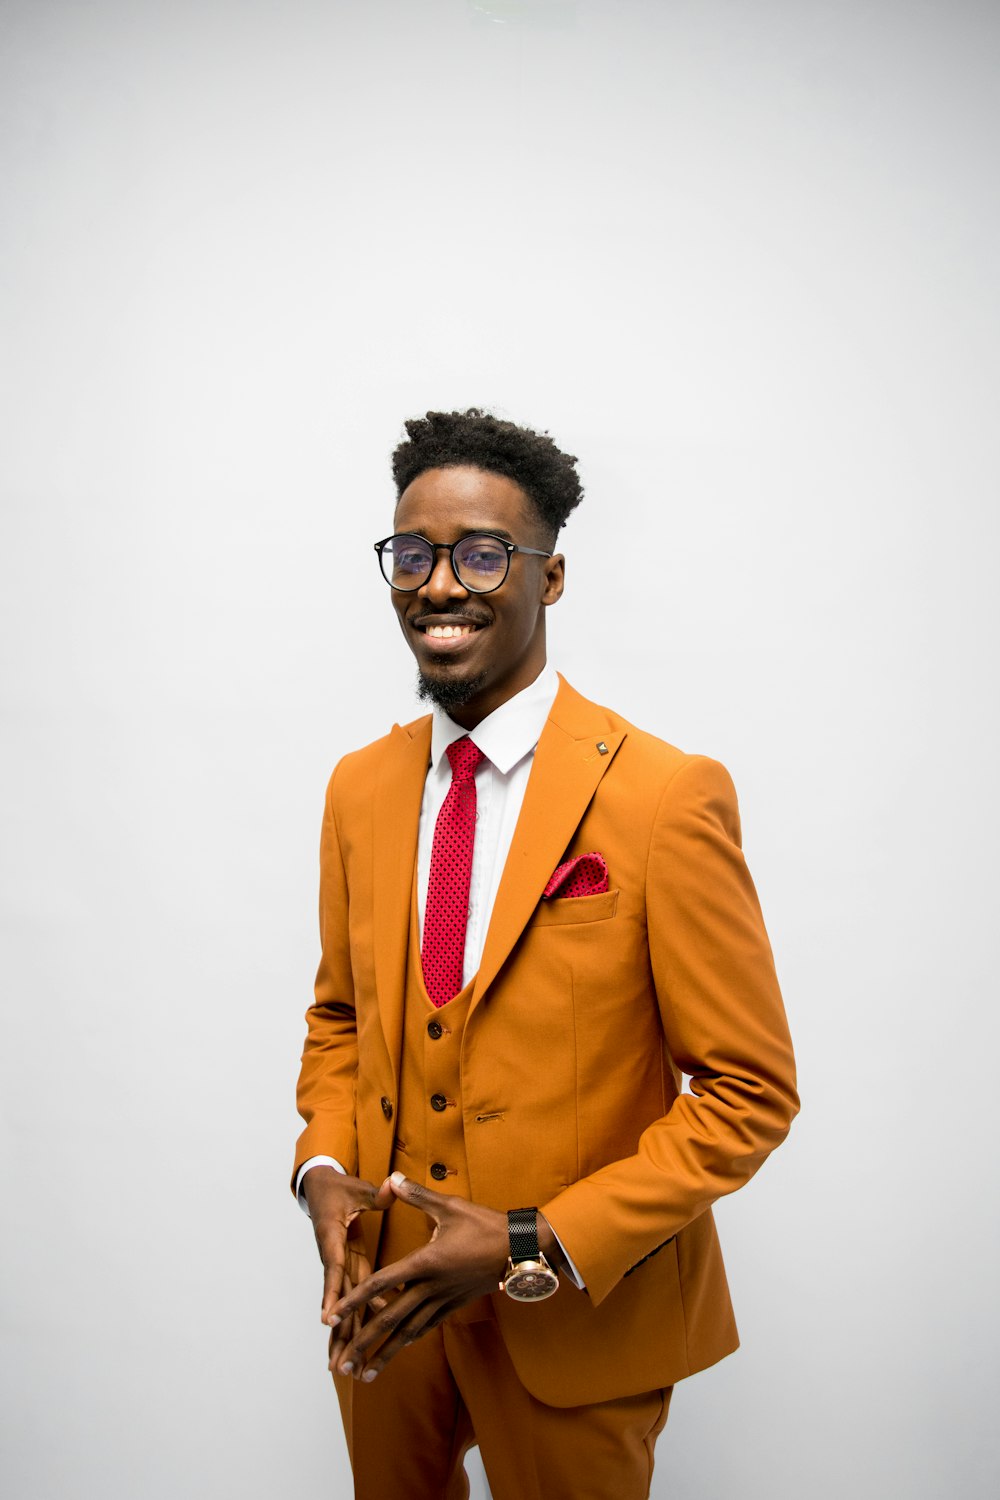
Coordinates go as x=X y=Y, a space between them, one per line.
x=396 y=823
x=567 y=770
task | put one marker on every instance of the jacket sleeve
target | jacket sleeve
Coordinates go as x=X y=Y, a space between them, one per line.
x=326 y=1087
x=724 y=1026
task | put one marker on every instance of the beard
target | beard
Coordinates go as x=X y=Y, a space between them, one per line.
x=449 y=692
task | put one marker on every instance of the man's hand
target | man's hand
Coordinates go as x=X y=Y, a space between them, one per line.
x=335 y=1201
x=465 y=1258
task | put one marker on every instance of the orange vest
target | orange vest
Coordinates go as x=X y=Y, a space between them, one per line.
x=429 y=1145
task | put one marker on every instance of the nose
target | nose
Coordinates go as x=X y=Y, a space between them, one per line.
x=442 y=585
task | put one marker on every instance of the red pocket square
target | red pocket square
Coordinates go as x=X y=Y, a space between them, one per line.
x=587 y=875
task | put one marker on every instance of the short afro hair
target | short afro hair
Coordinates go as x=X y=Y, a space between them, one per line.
x=447 y=439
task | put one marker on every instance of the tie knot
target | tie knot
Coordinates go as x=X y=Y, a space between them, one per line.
x=463 y=757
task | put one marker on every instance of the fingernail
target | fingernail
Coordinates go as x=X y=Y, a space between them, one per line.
x=334 y=1320
x=346 y=1367
x=369 y=1376
x=397 y=1178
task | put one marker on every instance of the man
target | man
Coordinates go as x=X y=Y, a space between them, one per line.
x=535 y=918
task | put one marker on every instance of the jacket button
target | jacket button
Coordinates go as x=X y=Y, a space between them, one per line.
x=434 y=1030
x=387 y=1108
x=439 y=1171
x=438 y=1102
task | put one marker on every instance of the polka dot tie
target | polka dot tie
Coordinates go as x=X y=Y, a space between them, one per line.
x=446 y=914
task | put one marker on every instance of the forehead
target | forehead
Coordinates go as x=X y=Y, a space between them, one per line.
x=445 y=503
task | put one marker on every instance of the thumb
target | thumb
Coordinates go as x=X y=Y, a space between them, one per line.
x=384 y=1197
x=434 y=1204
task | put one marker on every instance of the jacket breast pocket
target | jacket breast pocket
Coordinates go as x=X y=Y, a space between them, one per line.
x=569 y=909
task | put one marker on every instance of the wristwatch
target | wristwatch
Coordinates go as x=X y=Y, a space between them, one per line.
x=528 y=1277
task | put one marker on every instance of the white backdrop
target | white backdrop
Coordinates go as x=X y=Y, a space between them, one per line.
x=741 y=258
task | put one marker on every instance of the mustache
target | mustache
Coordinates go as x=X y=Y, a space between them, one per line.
x=469 y=616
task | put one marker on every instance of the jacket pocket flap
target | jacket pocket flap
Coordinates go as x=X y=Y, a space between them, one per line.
x=561 y=911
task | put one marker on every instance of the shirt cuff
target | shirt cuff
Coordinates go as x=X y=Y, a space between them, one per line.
x=571 y=1270
x=315 y=1161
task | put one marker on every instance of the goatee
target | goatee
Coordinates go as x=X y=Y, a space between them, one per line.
x=449 y=692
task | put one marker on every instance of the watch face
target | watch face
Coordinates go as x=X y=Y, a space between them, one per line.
x=530 y=1281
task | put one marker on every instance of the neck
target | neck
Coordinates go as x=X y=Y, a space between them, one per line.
x=484 y=703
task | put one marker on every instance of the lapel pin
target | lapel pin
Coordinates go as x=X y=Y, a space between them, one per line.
x=602 y=747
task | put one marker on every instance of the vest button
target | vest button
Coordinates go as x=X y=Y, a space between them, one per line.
x=387 y=1108
x=434 y=1030
x=439 y=1171
x=438 y=1102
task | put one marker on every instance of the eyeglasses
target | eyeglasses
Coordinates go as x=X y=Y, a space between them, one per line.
x=479 y=561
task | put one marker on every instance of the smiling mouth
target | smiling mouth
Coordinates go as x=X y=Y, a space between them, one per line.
x=447 y=632
x=444 y=632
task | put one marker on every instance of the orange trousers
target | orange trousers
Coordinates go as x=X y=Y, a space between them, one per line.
x=409 y=1431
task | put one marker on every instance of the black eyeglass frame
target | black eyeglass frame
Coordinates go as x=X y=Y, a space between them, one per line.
x=509 y=547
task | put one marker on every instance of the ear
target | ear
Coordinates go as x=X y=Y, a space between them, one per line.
x=554 y=578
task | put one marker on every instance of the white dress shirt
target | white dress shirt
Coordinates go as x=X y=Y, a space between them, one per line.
x=507 y=738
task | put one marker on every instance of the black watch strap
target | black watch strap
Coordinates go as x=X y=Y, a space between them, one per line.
x=522 y=1227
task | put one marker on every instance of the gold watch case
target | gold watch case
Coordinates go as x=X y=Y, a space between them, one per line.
x=529 y=1280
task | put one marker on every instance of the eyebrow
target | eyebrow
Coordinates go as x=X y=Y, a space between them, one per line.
x=466 y=531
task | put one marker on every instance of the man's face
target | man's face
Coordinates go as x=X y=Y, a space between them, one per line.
x=497 y=645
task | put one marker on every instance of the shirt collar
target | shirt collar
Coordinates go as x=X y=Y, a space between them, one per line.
x=510 y=732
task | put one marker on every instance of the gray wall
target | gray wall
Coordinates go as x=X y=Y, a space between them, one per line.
x=741 y=258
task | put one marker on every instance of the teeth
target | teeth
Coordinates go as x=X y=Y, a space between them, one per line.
x=445 y=632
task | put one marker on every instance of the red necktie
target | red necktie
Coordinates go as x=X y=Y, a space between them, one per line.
x=446 y=915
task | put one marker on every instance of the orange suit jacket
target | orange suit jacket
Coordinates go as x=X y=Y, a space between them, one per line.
x=586 y=1011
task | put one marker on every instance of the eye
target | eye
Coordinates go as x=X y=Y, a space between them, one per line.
x=482 y=556
x=409 y=557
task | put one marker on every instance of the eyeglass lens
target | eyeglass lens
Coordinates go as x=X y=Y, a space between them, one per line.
x=480 y=562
